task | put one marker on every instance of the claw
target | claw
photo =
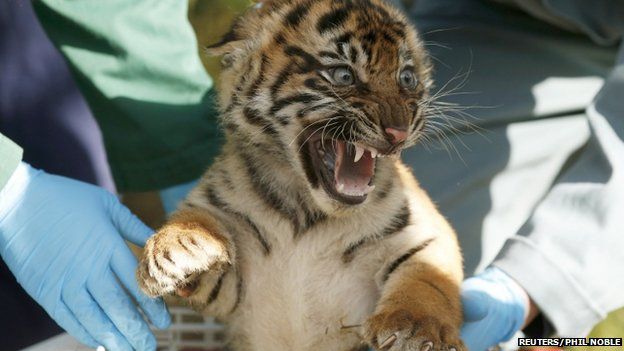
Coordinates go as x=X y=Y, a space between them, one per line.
x=427 y=346
x=389 y=341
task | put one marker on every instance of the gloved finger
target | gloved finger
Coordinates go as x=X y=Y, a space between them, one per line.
x=475 y=305
x=129 y=225
x=124 y=265
x=89 y=314
x=120 y=309
x=63 y=316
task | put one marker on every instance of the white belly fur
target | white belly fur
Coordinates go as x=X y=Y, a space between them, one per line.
x=302 y=297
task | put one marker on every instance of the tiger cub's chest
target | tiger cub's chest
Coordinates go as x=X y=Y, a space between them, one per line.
x=304 y=296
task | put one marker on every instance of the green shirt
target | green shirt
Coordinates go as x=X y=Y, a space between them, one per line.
x=137 y=65
x=10 y=157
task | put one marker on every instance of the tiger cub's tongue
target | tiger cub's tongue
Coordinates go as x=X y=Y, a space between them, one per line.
x=352 y=178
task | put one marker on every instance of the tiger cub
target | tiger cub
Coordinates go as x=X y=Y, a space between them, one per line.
x=307 y=232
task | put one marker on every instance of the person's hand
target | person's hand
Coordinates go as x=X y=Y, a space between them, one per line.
x=64 y=242
x=495 y=308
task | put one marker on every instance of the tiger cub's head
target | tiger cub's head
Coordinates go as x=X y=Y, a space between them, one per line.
x=327 y=87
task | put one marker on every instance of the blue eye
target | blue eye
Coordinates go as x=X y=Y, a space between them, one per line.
x=407 y=79
x=342 y=76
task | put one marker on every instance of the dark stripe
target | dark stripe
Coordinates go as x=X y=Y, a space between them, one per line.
x=264 y=189
x=217 y=202
x=436 y=288
x=398 y=30
x=353 y=54
x=305 y=98
x=332 y=20
x=230 y=36
x=254 y=117
x=184 y=245
x=296 y=15
x=253 y=88
x=214 y=293
x=313 y=83
x=344 y=38
x=349 y=253
x=369 y=38
x=281 y=79
x=312 y=218
x=306 y=161
x=406 y=256
x=329 y=54
x=305 y=111
x=266 y=247
x=387 y=37
x=239 y=291
x=310 y=62
x=400 y=221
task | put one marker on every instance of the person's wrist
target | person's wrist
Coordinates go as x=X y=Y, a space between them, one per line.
x=15 y=188
x=519 y=311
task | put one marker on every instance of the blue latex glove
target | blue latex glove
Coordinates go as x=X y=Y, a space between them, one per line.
x=495 y=308
x=64 y=241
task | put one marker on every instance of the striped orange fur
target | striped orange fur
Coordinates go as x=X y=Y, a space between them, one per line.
x=308 y=233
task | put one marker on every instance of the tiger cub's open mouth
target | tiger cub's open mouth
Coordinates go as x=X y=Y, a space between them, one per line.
x=345 y=170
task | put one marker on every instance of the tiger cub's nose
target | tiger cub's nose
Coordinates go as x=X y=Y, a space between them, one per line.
x=396 y=135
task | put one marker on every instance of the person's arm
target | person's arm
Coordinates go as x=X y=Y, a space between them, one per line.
x=137 y=64
x=566 y=260
x=64 y=242
x=568 y=256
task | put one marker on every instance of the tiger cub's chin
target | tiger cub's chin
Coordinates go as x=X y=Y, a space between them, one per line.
x=307 y=232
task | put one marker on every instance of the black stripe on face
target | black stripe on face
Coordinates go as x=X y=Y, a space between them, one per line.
x=296 y=15
x=254 y=117
x=344 y=38
x=329 y=54
x=353 y=54
x=403 y=258
x=314 y=84
x=253 y=88
x=281 y=79
x=306 y=162
x=309 y=62
x=332 y=20
x=304 y=98
x=307 y=110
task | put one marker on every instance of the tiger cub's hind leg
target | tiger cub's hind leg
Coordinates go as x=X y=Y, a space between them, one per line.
x=187 y=249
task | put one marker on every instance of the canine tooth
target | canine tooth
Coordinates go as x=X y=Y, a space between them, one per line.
x=359 y=152
x=373 y=152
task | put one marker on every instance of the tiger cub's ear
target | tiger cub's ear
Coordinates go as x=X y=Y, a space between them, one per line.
x=232 y=47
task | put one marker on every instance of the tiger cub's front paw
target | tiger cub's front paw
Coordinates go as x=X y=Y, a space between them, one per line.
x=400 y=330
x=175 y=257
